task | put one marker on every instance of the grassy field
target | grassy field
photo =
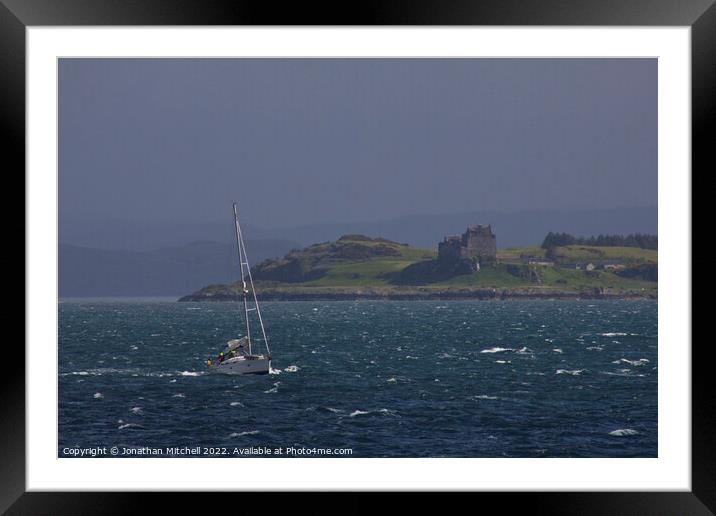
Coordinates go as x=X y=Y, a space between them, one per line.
x=583 y=253
x=377 y=272
x=513 y=254
x=628 y=255
x=371 y=272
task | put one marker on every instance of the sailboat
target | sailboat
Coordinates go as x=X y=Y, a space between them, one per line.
x=239 y=356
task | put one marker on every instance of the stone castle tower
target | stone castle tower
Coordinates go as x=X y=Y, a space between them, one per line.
x=477 y=242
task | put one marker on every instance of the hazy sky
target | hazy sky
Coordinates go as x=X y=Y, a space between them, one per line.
x=300 y=141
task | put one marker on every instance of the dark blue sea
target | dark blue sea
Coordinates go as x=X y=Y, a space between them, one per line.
x=378 y=378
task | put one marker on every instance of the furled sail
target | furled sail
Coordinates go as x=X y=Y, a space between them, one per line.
x=240 y=345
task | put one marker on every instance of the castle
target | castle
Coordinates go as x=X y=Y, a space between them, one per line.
x=477 y=242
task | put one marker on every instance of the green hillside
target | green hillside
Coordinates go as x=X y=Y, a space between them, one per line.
x=351 y=260
x=355 y=263
x=583 y=253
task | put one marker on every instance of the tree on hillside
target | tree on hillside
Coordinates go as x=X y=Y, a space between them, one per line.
x=557 y=239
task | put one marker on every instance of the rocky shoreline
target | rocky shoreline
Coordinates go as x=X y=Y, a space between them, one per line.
x=415 y=294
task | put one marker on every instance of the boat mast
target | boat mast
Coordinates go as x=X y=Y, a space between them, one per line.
x=245 y=262
x=242 y=262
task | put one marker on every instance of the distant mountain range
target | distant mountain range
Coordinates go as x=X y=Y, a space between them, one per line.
x=512 y=229
x=121 y=258
x=170 y=271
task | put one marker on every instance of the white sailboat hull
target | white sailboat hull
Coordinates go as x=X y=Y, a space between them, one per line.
x=242 y=365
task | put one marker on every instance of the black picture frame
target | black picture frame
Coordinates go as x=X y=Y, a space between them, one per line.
x=700 y=15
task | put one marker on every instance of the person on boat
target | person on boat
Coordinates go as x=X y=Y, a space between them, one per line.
x=221 y=357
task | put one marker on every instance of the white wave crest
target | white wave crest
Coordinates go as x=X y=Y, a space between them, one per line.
x=129 y=425
x=98 y=372
x=249 y=432
x=636 y=363
x=622 y=372
x=496 y=350
x=273 y=389
x=383 y=411
x=621 y=432
x=191 y=373
x=573 y=372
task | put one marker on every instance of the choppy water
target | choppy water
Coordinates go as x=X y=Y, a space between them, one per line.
x=393 y=379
